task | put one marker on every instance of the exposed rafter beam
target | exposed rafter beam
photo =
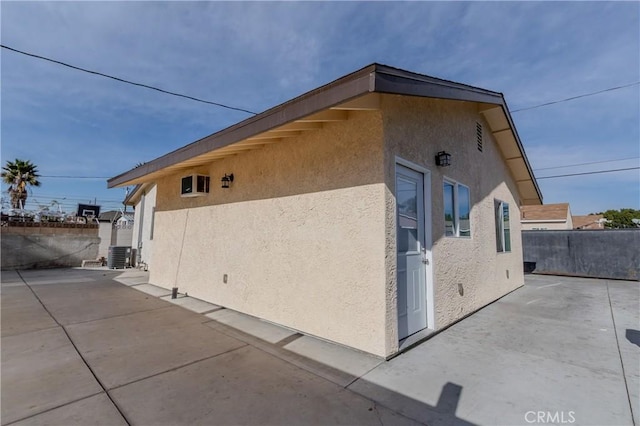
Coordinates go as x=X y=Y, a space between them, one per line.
x=485 y=108
x=369 y=102
x=274 y=134
x=299 y=126
x=259 y=142
x=503 y=131
x=328 y=115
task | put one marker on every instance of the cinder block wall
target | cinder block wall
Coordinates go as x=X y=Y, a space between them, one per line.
x=611 y=254
x=47 y=246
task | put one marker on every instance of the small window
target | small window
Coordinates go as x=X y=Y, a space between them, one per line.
x=187 y=185
x=203 y=184
x=457 y=210
x=503 y=226
x=194 y=185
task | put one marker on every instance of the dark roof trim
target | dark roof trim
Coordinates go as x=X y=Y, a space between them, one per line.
x=399 y=82
x=373 y=78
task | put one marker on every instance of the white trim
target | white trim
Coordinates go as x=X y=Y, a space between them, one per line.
x=428 y=238
x=500 y=225
x=456 y=208
x=543 y=221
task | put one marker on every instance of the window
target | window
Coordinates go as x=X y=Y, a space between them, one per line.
x=194 y=185
x=408 y=226
x=503 y=227
x=203 y=184
x=457 y=209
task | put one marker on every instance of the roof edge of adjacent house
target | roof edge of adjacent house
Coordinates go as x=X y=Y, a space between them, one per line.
x=376 y=78
x=131 y=197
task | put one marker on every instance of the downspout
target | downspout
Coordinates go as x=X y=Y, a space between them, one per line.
x=141 y=218
x=174 y=290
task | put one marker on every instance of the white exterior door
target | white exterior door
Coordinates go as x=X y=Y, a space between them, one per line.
x=411 y=258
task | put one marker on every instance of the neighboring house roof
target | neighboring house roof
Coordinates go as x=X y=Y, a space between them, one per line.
x=547 y=212
x=592 y=221
x=113 y=215
x=356 y=91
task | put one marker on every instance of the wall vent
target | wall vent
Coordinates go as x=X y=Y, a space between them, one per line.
x=479 y=136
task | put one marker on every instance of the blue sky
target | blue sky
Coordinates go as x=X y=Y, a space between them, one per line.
x=255 y=55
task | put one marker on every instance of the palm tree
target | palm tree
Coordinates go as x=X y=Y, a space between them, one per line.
x=19 y=174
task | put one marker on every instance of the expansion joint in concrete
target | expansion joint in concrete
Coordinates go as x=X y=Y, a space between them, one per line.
x=53 y=408
x=624 y=374
x=177 y=368
x=77 y=350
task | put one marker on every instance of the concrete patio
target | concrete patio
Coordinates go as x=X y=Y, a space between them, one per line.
x=105 y=347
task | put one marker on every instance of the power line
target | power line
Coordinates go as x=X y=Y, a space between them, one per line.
x=255 y=113
x=126 y=81
x=576 y=97
x=588 y=173
x=585 y=164
x=86 y=200
x=72 y=197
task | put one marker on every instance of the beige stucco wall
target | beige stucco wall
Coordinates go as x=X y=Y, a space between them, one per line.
x=306 y=233
x=415 y=129
x=107 y=238
x=300 y=233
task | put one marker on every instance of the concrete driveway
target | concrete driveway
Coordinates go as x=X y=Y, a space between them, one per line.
x=81 y=348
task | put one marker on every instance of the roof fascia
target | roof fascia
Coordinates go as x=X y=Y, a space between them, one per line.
x=505 y=109
x=373 y=78
x=394 y=81
x=338 y=91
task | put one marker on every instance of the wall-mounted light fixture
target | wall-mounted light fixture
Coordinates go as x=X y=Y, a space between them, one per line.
x=226 y=180
x=443 y=159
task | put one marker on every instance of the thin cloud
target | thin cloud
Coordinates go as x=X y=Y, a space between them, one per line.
x=257 y=54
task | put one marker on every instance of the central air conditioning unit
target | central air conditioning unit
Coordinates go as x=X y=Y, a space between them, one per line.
x=195 y=185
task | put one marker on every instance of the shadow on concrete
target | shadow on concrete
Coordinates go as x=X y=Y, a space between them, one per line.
x=448 y=404
x=633 y=336
x=443 y=413
x=392 y=405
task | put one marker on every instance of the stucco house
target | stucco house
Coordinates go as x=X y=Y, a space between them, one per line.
x=370 y=212
x=546 y=217
x=143 y=200
x=592 y=221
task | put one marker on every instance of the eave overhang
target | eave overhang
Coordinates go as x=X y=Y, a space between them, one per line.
x=332 y=102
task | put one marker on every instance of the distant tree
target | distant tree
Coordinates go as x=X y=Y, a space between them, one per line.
x=622 y=218
x=19 y=175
